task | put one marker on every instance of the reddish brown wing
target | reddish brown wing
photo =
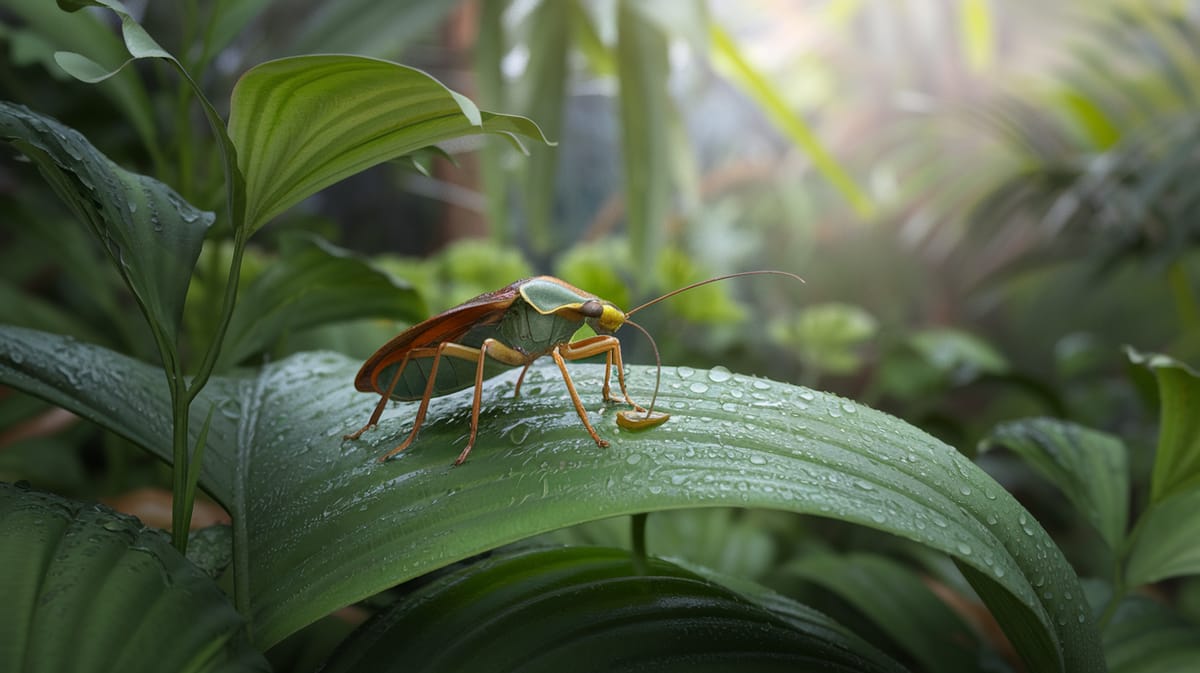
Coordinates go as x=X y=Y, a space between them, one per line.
x=452 y=324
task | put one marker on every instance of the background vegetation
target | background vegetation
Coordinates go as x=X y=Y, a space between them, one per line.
x=992 y=203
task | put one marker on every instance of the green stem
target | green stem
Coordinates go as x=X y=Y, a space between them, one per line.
x=637 y=534
x=1186 y=302
x=226 y=315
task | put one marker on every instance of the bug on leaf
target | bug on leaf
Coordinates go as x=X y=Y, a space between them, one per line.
x=510 y=327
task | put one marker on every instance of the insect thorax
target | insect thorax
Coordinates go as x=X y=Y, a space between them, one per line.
x=524 y=329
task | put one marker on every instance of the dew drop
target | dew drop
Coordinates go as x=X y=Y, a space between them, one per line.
x=699 y=387
x=685 y=372
x=807 y=395
x=964 y=548
x=758 y=460
x=760 y=384
x=719 y=374
x=634 y=458
x=849 y=407
x=964 y=489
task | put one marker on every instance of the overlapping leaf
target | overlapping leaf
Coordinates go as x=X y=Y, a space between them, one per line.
x=303 y=123
x=127 y=600
x=152 y=235
x=1090 y=467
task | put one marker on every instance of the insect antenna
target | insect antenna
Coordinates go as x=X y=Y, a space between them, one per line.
x=697 y=284
x=658 y=360
x=657 y=366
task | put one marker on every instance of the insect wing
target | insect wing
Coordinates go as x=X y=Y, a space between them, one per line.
x=450 y=325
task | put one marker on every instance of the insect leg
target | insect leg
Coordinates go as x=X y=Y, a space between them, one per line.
x=436 y=354
x=562 y=366
x=383 y=400
x=498 y=351
x=517 y=390
x=611 y=347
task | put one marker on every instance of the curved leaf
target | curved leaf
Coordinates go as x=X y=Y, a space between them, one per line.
x=303 y=123
x=583 y=609
x=150 y=233
x=1090 y=467
x=320 y=523
x=88 y=589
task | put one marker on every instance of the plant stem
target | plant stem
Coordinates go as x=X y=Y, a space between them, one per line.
x=637 y=534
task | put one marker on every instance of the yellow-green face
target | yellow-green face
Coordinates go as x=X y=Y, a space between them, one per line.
x=609 y=319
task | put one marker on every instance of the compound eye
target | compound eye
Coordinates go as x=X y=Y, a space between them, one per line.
x=591 y=308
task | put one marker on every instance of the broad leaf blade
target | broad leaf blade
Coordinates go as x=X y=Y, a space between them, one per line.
x=319 y=523
x=581 y=608
x=150 y=233
x=125 y=597
x=1091 y=468
x=303 y=123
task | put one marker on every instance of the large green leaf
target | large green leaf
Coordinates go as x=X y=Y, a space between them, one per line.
x=313 y=283
x=584 y=609
x=319 y=523
x=88 y=589
x=151 y=234
x=1091 y=468
x=303 y=123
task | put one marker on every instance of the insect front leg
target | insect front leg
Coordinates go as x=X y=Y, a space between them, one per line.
x=562 y=366
x=611 y=347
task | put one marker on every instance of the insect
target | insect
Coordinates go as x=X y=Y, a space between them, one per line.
x=496 y=331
